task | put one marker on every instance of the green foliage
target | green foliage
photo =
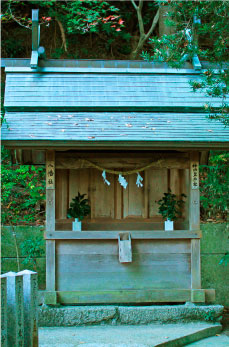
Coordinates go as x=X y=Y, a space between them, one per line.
x=215 y=85
x=79 y=207
x=76 y=16
x=210 y=316
x=74 y=25
x=57 y=53
x=90 y=16
x=23 y=191
x=12 y=47
x=182 y=44
x=32 y=249
x=170 y=207
x=214 y=27
x=214 y=179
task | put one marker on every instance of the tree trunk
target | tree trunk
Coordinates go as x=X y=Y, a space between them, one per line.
x=143 y=36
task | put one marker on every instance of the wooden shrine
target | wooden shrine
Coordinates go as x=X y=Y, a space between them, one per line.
x=118 y=115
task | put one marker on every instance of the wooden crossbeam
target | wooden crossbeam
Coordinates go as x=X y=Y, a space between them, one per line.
x=34 y=60
x=196 y=63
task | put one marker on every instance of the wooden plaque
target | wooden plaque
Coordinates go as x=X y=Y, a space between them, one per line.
x=50 y=171
x=195 y=175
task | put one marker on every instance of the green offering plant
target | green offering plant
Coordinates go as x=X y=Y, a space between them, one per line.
x=170 y=207
x=79 y=207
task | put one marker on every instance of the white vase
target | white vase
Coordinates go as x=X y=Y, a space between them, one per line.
x=169 y=225
x=76 y=226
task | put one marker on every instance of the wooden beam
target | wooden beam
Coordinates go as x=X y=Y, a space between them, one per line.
x=113 y=235
x=124 y=296
x=109 y=145
x=34 y=60
x=102 y=70
x=129 y=224
x=50 y=219
x=129 y=161
x=71 y=63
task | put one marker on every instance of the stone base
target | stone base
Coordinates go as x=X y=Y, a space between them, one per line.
x=67 y=316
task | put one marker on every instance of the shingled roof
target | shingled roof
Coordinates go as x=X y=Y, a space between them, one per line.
x=97 y=103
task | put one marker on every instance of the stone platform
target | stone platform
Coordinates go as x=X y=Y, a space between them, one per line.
x=72 y=316
x=173 y=335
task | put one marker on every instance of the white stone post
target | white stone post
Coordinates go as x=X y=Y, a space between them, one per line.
x=30 y=290
x=3 y=312
x=15 y=310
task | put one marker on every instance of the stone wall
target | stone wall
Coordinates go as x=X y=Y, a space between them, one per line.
x=214 y=244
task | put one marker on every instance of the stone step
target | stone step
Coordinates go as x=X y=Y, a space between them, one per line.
x=66 y=316
x=171 y=335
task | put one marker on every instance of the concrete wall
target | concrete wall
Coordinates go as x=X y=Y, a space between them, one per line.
x=214 y=244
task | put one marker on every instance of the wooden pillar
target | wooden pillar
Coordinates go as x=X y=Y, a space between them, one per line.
x=50 y=220
x=194 y=224
x=195 y=264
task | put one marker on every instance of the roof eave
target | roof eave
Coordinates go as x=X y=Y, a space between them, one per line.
x=94 y=144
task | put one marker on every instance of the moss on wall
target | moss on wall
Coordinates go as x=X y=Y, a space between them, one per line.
x=8 y=254
x=214 y=244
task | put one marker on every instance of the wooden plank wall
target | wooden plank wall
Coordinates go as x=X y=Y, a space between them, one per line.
x=94 y=265
x=114 y=202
